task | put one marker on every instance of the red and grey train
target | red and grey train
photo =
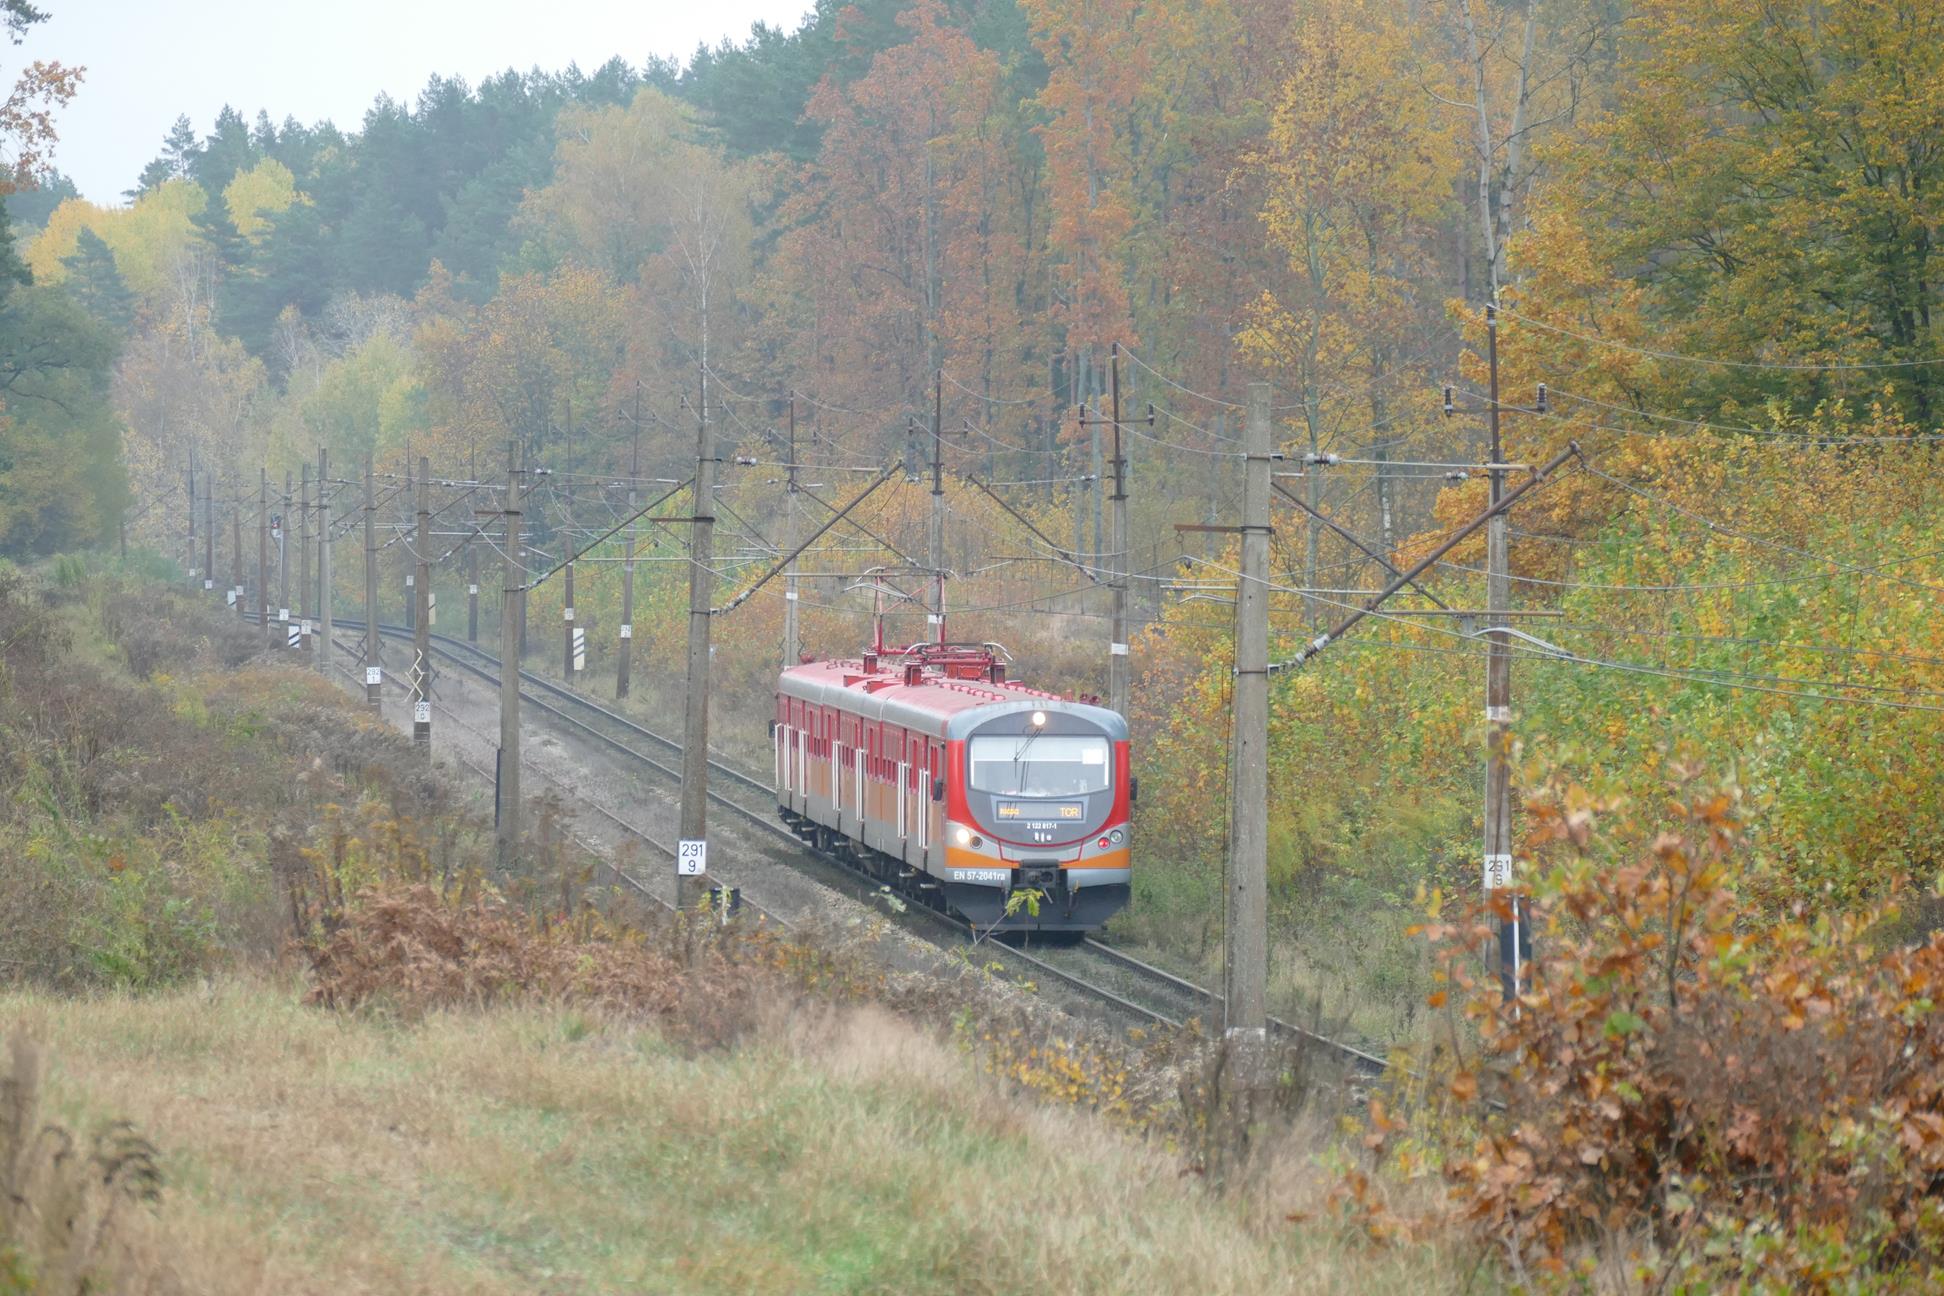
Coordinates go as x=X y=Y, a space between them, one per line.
x=931 y=769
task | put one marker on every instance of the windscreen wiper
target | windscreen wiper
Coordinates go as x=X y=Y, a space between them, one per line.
x=1019 y=757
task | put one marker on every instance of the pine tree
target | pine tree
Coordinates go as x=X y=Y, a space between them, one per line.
x=179 y=149
x=30 y=208
x=227 y=151
x=13 y=270
x=96 y=285
x=216 y=229
x=157 y=173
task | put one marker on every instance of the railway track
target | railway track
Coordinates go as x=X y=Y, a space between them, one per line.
x=1091 y=969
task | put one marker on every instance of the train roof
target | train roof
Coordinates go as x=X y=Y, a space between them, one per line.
x=939 y=705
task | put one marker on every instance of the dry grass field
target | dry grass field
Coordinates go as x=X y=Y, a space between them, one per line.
x=522 y=1150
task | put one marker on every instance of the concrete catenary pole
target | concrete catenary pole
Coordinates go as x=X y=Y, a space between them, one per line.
x=472 y=570
x=568 y=616
x=935 y=528
x=1117 y=663
x=283 y=550
x=1245 y=1037
x=422 y=623
x=209 y=530
x=373 y=661
x=792 y=635
x=324 y=629
x=411 y=574
x=623 y=651
x=272 y=632
x=1498 y=690
x=194 y=583
x=695 y=723
x=506 y=818
x=304 y=554
x=236 y=549
x=567 y=604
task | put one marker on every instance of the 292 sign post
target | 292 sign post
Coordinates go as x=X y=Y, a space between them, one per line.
x=691 y=858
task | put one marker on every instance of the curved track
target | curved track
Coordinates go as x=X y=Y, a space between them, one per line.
x=1103 y=974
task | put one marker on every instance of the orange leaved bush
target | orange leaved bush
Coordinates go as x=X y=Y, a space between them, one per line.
x=1687 y=1095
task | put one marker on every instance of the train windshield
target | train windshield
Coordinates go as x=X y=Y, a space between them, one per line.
x=1039 y=765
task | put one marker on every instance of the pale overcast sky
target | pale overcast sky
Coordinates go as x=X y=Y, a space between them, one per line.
x=149 y=60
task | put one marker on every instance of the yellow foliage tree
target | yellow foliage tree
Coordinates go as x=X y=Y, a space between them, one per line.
x=258 y=194
x=148 y=237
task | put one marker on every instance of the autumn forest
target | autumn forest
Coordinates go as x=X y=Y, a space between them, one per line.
x=965 y=228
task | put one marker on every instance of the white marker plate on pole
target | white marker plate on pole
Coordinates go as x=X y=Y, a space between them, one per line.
x=232 y=598
x=283 y=614
x=472 y=589
x=1498 y=872
x=374 y=675
x=691 y=858
x=421 y=713
x=1117 y=650
x=627 y=632
x=209 y=584
x=567 y=614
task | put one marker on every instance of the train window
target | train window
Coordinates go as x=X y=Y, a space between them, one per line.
x=1039 y=765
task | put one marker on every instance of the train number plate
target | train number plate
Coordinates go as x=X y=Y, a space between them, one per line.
x=995 y=877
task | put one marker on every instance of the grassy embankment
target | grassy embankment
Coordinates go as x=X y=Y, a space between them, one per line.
x=529 y=1090
x=521 y=1150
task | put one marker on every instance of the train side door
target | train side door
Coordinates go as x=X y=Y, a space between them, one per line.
x=862 y=762
x=899 y=738
x=935 y=774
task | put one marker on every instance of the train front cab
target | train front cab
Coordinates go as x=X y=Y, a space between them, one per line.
x=1037 y=799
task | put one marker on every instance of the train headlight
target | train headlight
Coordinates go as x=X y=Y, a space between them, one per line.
x=1039 y=719
x=1117 y=836
x=965 y=836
